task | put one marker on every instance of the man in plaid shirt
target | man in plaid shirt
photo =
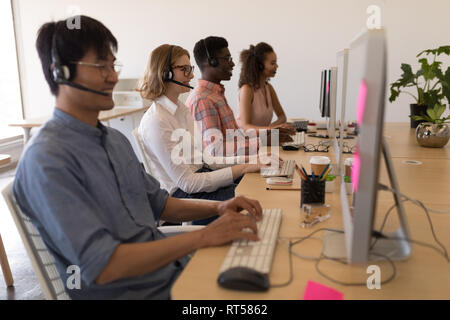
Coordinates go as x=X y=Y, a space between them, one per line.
x=209 y=107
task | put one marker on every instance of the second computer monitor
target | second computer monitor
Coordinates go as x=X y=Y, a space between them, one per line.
x=366 y=86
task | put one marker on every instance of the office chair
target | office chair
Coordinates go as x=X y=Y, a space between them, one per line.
x=42 y=261
x=7 y=275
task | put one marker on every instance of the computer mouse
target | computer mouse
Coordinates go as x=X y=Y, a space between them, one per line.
x=245 y=279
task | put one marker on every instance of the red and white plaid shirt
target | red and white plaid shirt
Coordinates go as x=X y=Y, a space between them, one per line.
x=210 y=109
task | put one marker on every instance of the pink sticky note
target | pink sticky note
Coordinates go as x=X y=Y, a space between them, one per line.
x=361 y=103
x=356 y=168
x=317 y=291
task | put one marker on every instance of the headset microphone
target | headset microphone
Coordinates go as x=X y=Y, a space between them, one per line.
x=168 y=72
x=80 y=87
x=61 y=73
x=180 y=83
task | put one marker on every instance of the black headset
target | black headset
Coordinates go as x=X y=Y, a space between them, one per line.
x=168 y=72
x=260 y=65
x=211 y=60
x=61 y=72
x=167 y=75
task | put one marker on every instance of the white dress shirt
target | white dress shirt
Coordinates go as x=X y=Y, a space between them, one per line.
x=157 y=126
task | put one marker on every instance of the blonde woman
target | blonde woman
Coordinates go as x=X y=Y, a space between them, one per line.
x=167 y=76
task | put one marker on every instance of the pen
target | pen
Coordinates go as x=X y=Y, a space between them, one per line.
x=293 y=189
x=313 y=177
x=326 y=174
x=323 y=172
x=302 y=175
x=306 y=174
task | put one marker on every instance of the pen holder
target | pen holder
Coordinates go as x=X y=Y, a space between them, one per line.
x=312 y=191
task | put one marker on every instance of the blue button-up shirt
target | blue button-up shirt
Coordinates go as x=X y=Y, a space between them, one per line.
x=86 y=192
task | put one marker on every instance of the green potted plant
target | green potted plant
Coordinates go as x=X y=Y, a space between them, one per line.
x=431 y=83
x=434 y=132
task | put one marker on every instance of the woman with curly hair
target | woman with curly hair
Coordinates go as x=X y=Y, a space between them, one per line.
x=257 y=98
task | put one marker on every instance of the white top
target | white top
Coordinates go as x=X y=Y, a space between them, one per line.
x=164 y=129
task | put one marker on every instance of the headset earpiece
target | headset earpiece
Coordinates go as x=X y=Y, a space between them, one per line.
x=211 y=60
x=168 y=73
x=260 y=66
x=61 y=73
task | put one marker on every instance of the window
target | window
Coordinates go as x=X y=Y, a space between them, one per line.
x=10 y=99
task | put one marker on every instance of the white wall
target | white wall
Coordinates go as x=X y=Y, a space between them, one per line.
x=306 y=34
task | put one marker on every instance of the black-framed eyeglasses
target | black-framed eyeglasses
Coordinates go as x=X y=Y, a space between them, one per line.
x=229 y=59
x=105 y=69
x=186 y=69
x=348 y=148
x=316 y=148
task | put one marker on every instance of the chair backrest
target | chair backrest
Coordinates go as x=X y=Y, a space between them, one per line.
x=145 y=159
x=43 y=262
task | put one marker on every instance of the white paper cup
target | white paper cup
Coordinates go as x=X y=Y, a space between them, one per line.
x=312 y=127
x=318 y=164
x=348 y=163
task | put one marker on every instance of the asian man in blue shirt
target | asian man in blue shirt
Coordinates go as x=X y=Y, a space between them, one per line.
x=86 y=192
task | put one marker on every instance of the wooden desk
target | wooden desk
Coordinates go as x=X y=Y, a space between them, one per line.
x=402 y=144
x=116 y=112
x=425 y=275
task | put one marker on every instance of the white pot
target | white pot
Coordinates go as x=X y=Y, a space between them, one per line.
x=349 y=187
x=329 y=186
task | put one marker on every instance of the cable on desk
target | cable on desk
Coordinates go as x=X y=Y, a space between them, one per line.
x=417 y=202
x=426 y=209
x=299 y=255
x=291 y=272
x=341 y=261
x=323 y=257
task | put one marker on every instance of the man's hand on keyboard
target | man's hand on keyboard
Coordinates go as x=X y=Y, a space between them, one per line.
x=228 y=227
x=239 y=203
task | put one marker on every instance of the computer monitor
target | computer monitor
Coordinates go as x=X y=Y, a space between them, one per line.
x=331 y=107
x=323 y=86
x=341 y=89
x=366 y=85
x=327 y=103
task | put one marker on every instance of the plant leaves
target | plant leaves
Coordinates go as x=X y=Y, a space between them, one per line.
x=431 y=113
x=445 y=81
x=424 y=117
x=432 y=97
x=394 y=94
x=443 y=49
x=407 y=76
x=439 y=110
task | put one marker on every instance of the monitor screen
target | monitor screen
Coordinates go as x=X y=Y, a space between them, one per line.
x=341 y=88
x=323 y=83
x=365 y=99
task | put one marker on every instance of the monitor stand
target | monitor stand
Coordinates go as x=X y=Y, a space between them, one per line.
x=334 y=243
